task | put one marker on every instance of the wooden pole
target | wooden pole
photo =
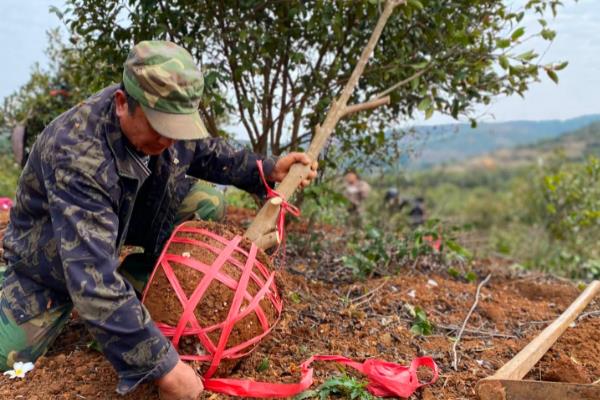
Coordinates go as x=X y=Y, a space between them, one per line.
x=522 y=363
x=264 y=223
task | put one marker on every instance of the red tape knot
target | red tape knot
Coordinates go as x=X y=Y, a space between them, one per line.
x=284 y=207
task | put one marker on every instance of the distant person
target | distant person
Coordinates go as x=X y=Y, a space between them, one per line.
x=393 y=202
x=391 y=196
x=417 y=212
x=416 y=206
x=356 y=191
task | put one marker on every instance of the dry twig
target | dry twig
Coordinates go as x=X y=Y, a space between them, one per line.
x=479 y=332
x=462 y=329
x=353 y=301
x=588 y=314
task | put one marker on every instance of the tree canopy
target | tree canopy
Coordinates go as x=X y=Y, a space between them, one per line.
x=275 y=66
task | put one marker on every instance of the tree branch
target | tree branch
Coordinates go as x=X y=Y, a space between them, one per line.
x=403 y=82
x=366 y=105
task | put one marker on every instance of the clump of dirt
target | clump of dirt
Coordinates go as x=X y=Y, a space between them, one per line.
x=574 y=357
x=564 y=369
x=214 y=307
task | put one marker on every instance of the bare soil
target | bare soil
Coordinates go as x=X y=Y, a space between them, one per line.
x=327 y=312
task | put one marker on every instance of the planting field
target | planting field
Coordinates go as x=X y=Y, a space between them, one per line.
x=327 y=312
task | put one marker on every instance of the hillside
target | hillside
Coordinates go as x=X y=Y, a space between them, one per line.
x=451 y=143
x=574 y=146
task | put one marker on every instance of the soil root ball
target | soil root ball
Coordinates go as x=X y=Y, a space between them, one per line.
x=203 y=263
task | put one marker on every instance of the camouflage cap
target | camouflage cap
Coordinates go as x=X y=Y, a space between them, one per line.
x=167 y=83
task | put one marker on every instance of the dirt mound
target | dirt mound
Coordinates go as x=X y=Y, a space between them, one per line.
x=212 y=310
x=565 y=369
x=536 y=291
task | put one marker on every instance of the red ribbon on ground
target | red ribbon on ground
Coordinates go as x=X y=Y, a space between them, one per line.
x=284 y=207
x=386 y=379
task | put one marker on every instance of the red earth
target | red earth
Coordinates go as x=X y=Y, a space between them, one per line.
x=327 y=312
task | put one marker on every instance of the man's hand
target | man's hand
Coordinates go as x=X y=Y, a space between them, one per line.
x=284 y=164
x=181 y=383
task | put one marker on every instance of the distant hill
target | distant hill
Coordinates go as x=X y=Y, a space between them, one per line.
x=448 y=144
x=574 y=146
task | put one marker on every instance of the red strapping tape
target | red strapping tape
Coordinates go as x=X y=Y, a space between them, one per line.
x=284 y=207
x=386 y=379
x=252 y=270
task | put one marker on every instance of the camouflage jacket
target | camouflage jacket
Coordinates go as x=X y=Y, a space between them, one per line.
x=73 y=206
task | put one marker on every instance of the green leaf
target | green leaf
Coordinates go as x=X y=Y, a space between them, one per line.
x=561 y=66
x=552 y=75
x=416 y=4
x=458 y=249
x=527 y=56
x=263 y=366
x=503 y=61
x=429 y=112
x=453 y=272
x=455 y=108
x=503 y=43
x=414 y=84
x=471 y=277
x=425 y=104
x=309 y=394
x=295 y=297
x=548 y=34
x=420 y=65
x=517 y=34
x=416 y=330
x=55 y=10
x=94 y=345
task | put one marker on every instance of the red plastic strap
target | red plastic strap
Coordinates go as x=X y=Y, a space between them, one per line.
x=435 y=244
x=188 y=324
x=386 y=379
x=284 y=206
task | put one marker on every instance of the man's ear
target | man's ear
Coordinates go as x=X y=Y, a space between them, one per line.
x=121 y=106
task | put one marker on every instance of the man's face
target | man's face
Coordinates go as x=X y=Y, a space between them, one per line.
x=351 y=178
x=138 y=130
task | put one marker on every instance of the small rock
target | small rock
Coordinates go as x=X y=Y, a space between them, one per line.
x=432 y=283
x=428 y=395
x=386 y=339
x=61 y=358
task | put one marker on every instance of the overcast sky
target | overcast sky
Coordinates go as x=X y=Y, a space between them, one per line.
x=23 y=24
